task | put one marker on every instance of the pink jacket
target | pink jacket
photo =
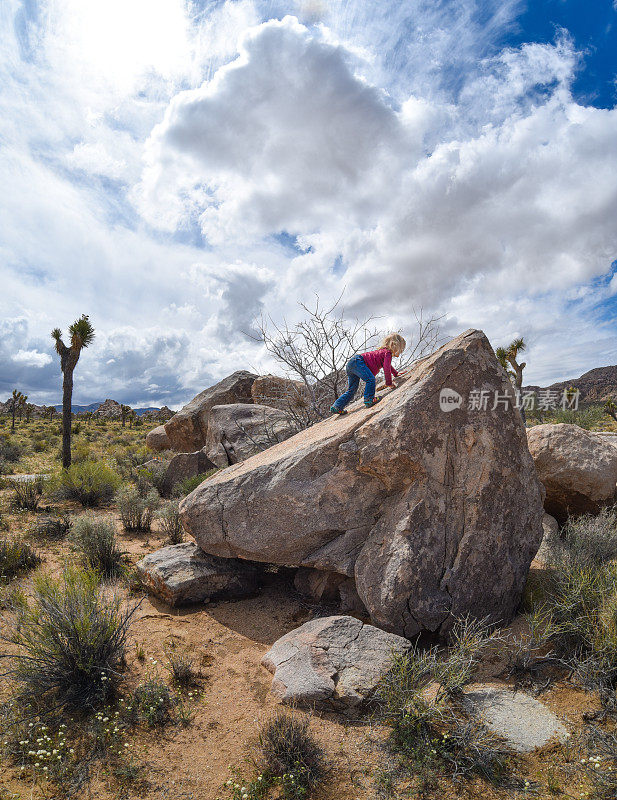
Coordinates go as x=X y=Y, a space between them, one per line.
x=377 y=359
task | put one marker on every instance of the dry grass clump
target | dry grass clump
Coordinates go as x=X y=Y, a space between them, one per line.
x=137 y=507
x=170 y=523
x=15 y=557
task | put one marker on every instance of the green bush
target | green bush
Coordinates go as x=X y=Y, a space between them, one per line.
x=137 y=507
x=152 y=703
x=90 y=483
x=96 y=539
x=169 y=521
x=16 y=557
x=70 y=643
x=10 y=450
x=189 y=484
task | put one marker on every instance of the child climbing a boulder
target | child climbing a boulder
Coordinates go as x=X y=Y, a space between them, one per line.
x=365 y=367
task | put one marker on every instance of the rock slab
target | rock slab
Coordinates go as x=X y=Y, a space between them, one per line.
x=239 y=430
x=432 y=513
x=188 y=428
x=522 y=721
x=181 y=574
x=577 y=468
x=332 y=662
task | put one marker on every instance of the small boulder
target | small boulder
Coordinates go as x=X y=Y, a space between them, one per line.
x=239 y=430
x=550 y=526
x=187 y=430
x=157 y=439
x=182 y=573
x=522 y=721
x=183 y=466
x=331 y=662
x=578 y=469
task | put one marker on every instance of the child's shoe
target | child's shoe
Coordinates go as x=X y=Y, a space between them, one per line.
x=373 y=402
x=335 y=410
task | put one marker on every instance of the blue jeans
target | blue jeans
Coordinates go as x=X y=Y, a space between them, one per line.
x=356 y=371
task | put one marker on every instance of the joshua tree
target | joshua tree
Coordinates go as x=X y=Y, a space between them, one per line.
x=610 y=408
x=508 y=358
x=21 y=405
x=132 y=418
x=51 y=411
x=82 y=334
x=15 y=401
x=125 y=413
x=29 y=408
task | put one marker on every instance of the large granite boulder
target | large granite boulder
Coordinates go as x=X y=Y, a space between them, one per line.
x=239 y=430
x=434 y=513
x=577 y=467
x=182 y=573
x=188 y=428
x=183 y=466
x=157 y=439
x=333 y=662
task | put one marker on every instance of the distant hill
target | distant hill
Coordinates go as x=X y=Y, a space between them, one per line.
x=595 y=386
x=93 y=407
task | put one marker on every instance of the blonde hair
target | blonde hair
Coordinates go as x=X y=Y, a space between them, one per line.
x=395 y=343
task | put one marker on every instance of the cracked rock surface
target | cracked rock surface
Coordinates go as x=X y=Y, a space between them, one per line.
x=333 y=662
x=431 y=513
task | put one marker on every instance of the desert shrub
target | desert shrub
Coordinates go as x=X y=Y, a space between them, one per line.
x=152 y=703
x=579 y=606
x=51 y=527
x=70 y=643
x=90 y=483
x=96 y=539
x=181 y=668
x=288 y=748
x=189 y=484
x=27 y=494
x=16 y=557
x=81 y=452
x=169 y=520
x=155 y=475
x=434 y=733
x=136 y=509
x=10 y=450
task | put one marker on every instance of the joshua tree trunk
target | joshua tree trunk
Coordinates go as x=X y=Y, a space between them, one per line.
x=67 y=398
x=13 y=416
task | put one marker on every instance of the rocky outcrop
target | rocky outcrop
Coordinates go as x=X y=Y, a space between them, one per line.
x=157 y=439
x=239 y=430
x=577 y=468
x=187 y=430
x=183 y=466
x=432 y=513
x=110 y=409
x=182 y=573
x=157 y=415
x=331 y=662
x=595 y=386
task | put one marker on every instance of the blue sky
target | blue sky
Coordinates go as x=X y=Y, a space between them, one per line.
x=175 y=169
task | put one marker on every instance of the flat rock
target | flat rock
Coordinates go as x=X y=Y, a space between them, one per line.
x=331 y=662
x=187 y=430
x=577 y=468
x=522 y=721
x=181 y=574
x=239 y=430
x=433 y=514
